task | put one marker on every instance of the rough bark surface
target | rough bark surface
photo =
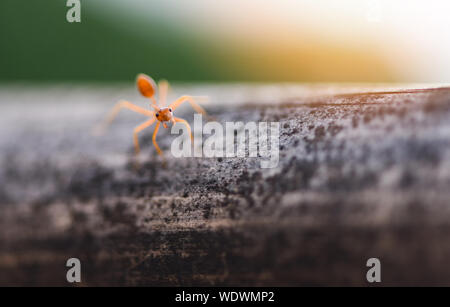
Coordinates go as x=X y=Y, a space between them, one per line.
x=360 y=175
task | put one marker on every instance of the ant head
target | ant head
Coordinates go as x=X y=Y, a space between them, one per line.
x=164 y=114
x=146 y=85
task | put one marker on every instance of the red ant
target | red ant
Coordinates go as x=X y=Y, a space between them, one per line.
x=147 y=87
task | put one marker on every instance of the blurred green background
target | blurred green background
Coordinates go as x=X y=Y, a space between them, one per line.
x=37 y=43
x=207 y=41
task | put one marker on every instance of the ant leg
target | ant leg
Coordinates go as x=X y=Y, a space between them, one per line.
x=191 y=101
x=137 y=130
x=180 y=120
x=163 y=86
x=154 y=138
x=115 y=110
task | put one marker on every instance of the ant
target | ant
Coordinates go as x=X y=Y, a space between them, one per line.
x=147 y=87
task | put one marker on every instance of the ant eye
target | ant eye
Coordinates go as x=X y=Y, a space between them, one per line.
x=157 y=114
x=170 y=109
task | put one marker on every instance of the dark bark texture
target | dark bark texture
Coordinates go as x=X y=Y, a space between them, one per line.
x=360 y=175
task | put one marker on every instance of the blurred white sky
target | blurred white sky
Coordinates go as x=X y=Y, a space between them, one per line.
x=412 y=35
